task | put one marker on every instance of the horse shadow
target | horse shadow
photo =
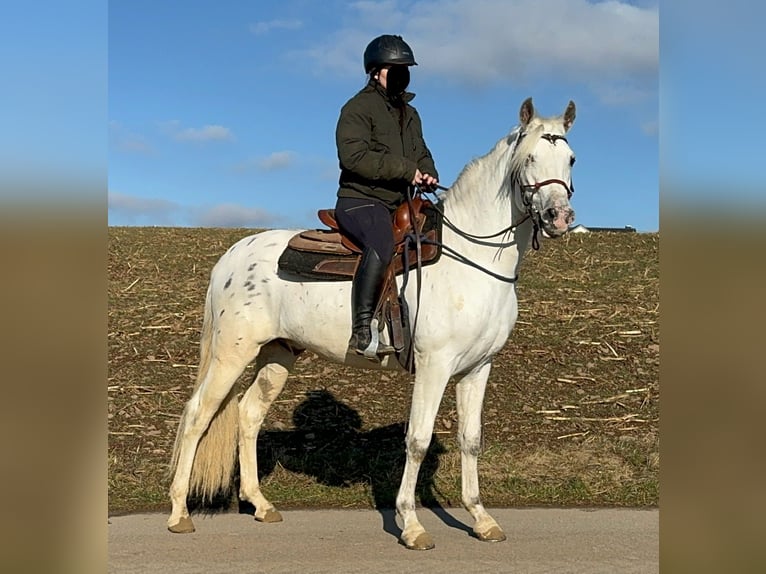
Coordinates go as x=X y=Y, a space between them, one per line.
x=328 y=445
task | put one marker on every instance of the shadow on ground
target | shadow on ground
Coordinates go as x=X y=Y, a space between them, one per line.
x=328 y=445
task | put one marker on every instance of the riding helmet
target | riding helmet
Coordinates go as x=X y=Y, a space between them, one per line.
x=385 y=50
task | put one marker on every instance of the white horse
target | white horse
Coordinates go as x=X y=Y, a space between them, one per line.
x=467 y=309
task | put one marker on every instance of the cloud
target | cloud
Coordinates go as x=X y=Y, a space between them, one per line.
x=275 y=161
x=133 y=210
x=650 y=128
x=482 y=42
x=126 y=141
x=260 y=28
x=231 y=215
x=204 y=134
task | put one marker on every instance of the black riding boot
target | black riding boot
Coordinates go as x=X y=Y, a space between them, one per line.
x=365 y=289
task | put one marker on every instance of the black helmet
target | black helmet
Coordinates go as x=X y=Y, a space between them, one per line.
x=385 y=50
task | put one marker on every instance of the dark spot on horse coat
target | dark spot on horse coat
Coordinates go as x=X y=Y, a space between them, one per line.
x=222 y=312
x=470 y=446
x=249 y=285
x=247 y=303
x=266 y=280
x=228 y=282
x=253 y=239
x=252 y=266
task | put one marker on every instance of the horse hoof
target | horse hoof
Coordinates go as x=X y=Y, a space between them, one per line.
x=422 y=542
x=183 y=526
x=494 y=534
x=270 y=516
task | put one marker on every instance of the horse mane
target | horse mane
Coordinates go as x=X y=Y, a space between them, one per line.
x=472 y=168
x=517 y=144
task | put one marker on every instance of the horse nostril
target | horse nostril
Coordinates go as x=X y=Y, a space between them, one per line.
x=551 y=213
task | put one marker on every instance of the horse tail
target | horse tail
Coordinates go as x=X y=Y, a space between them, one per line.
x=216 y=453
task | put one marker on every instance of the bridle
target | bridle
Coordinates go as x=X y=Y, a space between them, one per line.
x=527 y=193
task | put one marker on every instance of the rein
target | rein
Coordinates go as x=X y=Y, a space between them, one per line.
x=478 y=239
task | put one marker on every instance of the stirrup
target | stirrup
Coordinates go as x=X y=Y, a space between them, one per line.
x=375 y=349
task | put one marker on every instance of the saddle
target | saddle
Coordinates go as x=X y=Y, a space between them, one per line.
x=338 y=255
x=328 y=255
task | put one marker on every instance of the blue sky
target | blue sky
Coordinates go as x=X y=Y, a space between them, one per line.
x=224 y=113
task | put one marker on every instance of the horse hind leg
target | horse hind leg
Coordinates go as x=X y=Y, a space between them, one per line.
x=470 y=397
x=205 y=450
x=273 y=366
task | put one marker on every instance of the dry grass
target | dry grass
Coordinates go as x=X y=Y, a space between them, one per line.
x=571 y=413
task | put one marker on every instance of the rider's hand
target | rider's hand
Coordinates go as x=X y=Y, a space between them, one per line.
x=424 y=180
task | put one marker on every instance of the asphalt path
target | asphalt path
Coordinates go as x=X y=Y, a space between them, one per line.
x=366 y=541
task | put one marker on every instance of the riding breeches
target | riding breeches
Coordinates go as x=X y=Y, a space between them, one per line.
x=368 y=223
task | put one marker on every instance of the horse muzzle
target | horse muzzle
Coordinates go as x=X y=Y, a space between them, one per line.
x=556 y=220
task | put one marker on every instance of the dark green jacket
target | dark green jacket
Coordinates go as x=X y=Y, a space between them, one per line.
x=377 y=159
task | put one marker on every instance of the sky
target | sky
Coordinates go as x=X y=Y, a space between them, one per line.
x=223 y=114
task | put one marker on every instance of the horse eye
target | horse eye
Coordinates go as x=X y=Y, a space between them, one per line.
x=572 y=161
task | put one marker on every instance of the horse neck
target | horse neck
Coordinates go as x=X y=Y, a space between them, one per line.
x=481 y=202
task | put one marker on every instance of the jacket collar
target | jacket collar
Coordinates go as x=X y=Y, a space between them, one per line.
x=375 y=85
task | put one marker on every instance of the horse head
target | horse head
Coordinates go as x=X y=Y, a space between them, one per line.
x=541 y=169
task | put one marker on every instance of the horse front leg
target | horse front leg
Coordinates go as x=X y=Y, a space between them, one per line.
x=470 y=398
x=426 y=397
x=273 y=366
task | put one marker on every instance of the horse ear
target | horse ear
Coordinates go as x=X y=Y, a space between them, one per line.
x=569 y=116
x=526 y=113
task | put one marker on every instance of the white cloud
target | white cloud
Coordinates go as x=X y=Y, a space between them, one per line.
x=651 y=128
x=278 y=160
x=478 y=42
x=127 y=141
x=231 y=215
x=204 y=134
x=260 y=28
x=134 y=210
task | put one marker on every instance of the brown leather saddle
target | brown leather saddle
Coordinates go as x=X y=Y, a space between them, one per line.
x=328 y=255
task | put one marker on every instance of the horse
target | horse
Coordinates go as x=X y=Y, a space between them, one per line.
x=462 y=313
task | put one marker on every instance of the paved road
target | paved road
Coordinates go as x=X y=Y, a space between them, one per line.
x=365 y=542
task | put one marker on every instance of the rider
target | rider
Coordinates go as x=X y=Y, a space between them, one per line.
x=382 y=152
